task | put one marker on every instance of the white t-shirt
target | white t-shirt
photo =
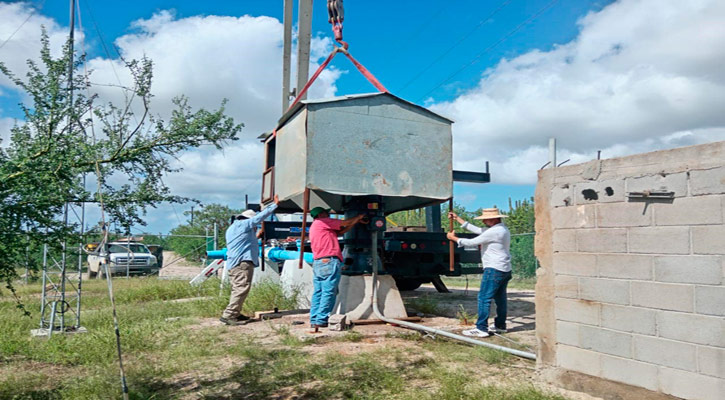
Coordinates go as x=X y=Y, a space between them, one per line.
x=495 y=245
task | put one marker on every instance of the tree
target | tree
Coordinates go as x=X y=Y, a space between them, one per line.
x=67 y=134
x=521 y=219
x=194 y=248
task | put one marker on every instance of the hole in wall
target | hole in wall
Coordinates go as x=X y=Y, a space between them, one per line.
x=609 y=191
x=590 y=194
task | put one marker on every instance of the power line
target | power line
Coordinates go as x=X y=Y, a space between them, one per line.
x=461 y=40
x=40 y=7
x=475 y=59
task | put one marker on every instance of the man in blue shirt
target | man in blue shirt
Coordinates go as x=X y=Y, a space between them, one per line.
x=242 y=258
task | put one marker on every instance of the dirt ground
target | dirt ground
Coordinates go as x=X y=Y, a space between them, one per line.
x=521 y=328
x=176 y=267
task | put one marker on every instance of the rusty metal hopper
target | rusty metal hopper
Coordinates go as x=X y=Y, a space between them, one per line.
x=369 y=144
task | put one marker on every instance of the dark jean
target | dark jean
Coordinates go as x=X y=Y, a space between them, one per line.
x=324 y=282
x=493 y=287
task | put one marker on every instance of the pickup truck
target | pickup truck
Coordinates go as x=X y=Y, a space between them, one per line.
x=120 y=256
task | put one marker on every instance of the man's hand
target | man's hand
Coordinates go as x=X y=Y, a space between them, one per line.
x=452 y=236
x=460 y=220
x=276 y=199
x=260 y=232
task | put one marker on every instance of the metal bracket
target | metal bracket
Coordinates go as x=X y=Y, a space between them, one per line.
x=651 y=195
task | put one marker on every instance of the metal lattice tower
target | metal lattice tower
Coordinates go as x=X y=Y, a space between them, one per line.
x=60 y=307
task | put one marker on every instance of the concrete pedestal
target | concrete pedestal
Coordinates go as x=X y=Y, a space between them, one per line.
x=354 y=299
x=297 y=280
x=269 y=274
x=45 y=332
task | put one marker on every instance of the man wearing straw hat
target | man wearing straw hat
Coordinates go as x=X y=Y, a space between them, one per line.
x=495 y=245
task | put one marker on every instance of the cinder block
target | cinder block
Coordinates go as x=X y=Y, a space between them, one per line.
x=573 y=217
x=628 y=319
x=582 y=311
x=579 y=360
x=663 y=296
x=691 y=328
x=618 y=215
x=662 y=240
x=689 y=269
x=709 y=181
x=630 y=372
x=705 y=210
x=566 y=286
x=564 y=240
x=665 y=352
x=625 y=266
x=561 y=196
x=708 y=239
x=711 y=361
x=606 y=341
x=710 y=300
x=672 y=183
x=604 y=290
x=575 y=264
x=689 y=385
x=567 y=333
x=602 y=240
x=609 y=191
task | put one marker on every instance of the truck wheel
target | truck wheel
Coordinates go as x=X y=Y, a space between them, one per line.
x=90 y=274
x=407 y=284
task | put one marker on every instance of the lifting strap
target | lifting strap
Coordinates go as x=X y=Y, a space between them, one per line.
x=364 y=71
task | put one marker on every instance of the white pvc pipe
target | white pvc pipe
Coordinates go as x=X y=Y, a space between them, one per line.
x=374 y=301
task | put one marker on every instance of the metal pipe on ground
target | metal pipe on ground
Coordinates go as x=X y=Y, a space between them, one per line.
x=418 y=327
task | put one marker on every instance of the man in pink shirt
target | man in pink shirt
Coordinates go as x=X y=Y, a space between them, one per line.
x=327 y=264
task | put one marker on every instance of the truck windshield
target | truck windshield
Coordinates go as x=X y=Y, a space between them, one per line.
x=124 y=248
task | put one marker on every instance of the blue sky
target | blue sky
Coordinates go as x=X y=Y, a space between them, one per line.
x=509 y=85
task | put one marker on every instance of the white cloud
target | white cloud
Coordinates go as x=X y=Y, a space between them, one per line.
x=24 y=37
x=5 y=125
x=641 y=75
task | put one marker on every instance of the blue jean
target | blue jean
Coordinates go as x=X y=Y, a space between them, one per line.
x=325 y=280
x=493 y=287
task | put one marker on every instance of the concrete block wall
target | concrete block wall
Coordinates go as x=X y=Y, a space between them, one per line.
x=633 y=291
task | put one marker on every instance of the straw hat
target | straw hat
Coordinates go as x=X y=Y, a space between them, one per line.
x=491 y=213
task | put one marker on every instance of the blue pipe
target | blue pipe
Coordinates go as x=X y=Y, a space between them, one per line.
x=275 y=254
x=216 y=254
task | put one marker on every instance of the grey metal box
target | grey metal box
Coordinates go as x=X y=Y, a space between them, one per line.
x=370 y=144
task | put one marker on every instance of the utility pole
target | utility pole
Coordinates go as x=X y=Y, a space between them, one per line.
x=286 y=54
x=216 y=236
x=552 y=153
x=303 y=43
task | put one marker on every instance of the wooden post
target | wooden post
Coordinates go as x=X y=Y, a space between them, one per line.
x=305 y=210
x=451 y=248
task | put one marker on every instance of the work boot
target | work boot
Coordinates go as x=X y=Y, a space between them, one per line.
x=242 y=318
x=231 y=322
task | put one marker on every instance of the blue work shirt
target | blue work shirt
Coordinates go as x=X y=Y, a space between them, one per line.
x=242 y=243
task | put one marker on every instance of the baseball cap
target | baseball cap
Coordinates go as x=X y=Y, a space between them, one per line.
x=317 y=211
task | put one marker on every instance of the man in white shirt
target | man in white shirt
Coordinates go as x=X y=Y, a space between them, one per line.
x=495 y=243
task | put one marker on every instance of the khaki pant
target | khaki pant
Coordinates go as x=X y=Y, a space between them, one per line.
x=241 y=279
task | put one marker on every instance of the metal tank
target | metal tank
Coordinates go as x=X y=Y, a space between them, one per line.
x=360 y=145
